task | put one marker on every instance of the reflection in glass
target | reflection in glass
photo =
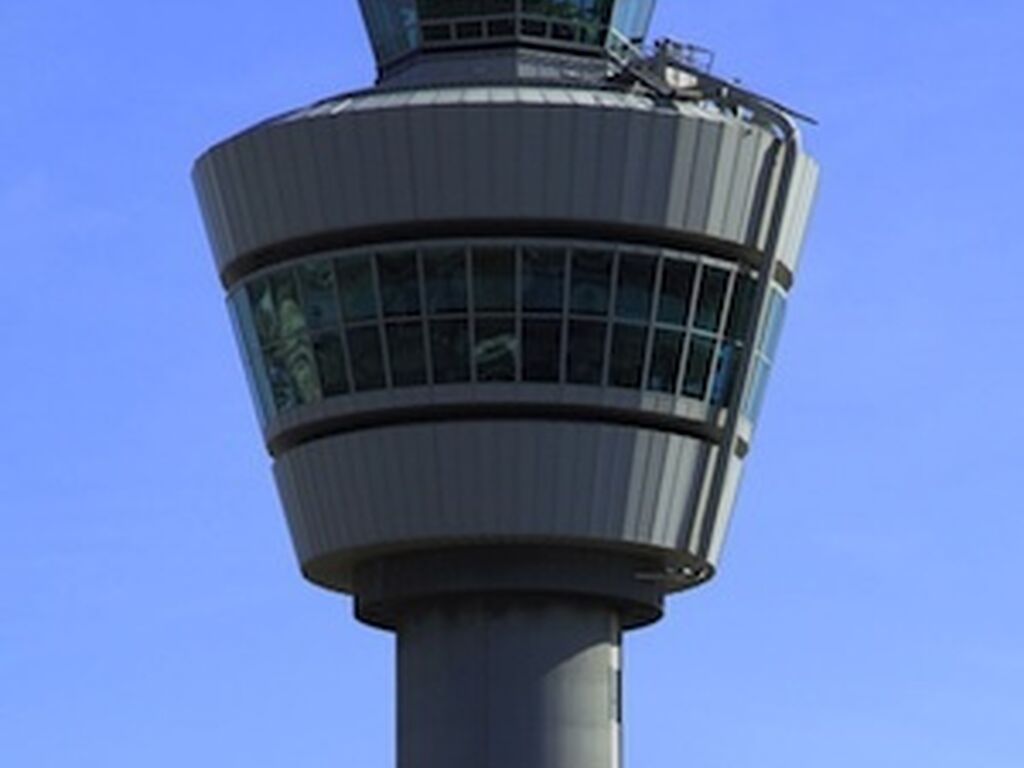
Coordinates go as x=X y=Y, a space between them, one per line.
x=293 y=374
x=543 y=271
x=676 y=288
x=319 y=298
x=740 y=307
x=755 y=398
x=495 y=350
x=494 y=278
x=698 y=366
x=399 y=283
x=591 y=277
x=449 y=350
x=445 y=272
x=627 y=361
x=355 y=284
x=636 y=283
x=542 y=342
x=773 y=324
x=264 y=313
x=665 y=357
x=405 y=350
x=586 y=352
x=330 y=362
x=711 y=298
x=725 y=373
x=367 y=365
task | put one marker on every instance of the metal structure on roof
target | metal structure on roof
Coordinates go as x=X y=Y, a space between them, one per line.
x=508 y=319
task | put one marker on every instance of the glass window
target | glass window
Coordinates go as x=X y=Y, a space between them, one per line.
x=445 y=272
x=755 y=398
x=399 y=283
x=449 y=350
x=405 y=350
x=591 y=277
x=367 y=364
x=676 y=289
x=392 y=26
x=739 y=308
x=319 y=297
x=698 y=366
x=264 y=312
x=355 y=284
x=665 y=357
x=636 y=283
x=627 y=361
x=542 y=343
x=294 y=375
x=712 y=296
x=632 y=18
x=494 y=278
x=543 y=276
x=330 y=362
x=252 y=356
x=725 y=372
x=495 y=349
x=586 y=352
x=773 y=324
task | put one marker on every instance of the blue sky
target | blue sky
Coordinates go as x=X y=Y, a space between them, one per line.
x=868 y=611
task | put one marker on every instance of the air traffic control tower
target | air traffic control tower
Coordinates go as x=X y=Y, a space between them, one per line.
x=508 y=317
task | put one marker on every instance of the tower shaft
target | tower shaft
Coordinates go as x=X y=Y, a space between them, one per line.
x=509 y=682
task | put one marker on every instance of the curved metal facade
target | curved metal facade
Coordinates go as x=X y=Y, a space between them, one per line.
x=456 y=463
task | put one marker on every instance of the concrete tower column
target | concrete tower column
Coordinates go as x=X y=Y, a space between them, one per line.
x=508 y=683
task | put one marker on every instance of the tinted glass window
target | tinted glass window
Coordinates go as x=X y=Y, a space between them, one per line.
x=711 y=298
x=636 y=282
x=319 y=297
x=399 y=283
x=591 y=277
x=725 y=372
x=773 y=324
x=668 y=348
x=698 y=366
x=586 y=352
x=367 y=364
x=495 y=350
x=330 y=362
x=494 y=278
x=405 y=353
x=445 y=273
x=542 y=343
x=294 y=375
x=355 y=285
x=676 y=289
x=740 y=307
x=627 y=361
x=449 y=350
x=543 y=276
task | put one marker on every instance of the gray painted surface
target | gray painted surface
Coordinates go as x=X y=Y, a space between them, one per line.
x=560 y=154
x=508 y=683
x=455 y=484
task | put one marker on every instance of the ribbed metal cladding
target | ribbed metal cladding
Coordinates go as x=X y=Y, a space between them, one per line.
x=557 y=154
x=574 y=162
x=424 y=485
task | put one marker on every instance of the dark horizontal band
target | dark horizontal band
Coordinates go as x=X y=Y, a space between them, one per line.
x=422 y=414
x=299 y=247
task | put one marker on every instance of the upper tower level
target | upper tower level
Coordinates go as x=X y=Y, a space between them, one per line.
x=403 y=30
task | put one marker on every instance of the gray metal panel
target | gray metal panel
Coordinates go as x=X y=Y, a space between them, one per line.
x=704 y=168
x=468 y=154
x=635 y=179
x=682 y=172
x=721 y=191
x=614 y=138
x=468 y=482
